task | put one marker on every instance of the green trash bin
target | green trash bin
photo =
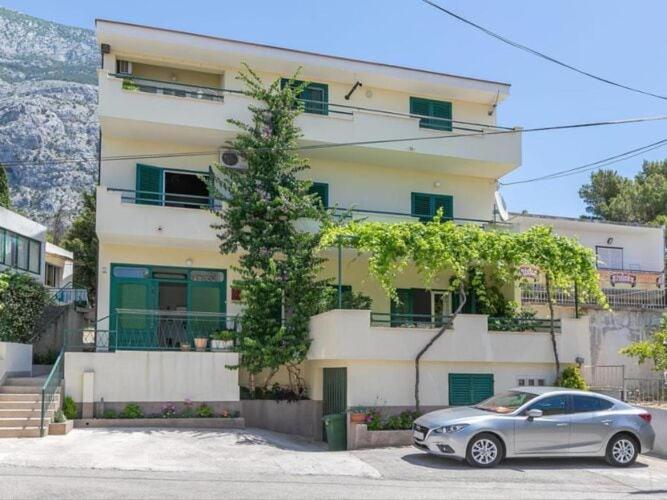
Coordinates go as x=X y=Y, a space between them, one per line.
x=336 y=429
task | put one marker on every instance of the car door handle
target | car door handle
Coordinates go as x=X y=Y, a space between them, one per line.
x=606 y=422
x=562 y=425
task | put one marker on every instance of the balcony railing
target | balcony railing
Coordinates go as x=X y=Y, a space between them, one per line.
x=520 y=324
x=617 y=298
x=152 y=330
x=408 y=320
x=134 y=83
x=69 y=295
x=166 y=199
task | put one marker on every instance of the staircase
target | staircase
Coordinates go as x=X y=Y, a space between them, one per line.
x=21 y=407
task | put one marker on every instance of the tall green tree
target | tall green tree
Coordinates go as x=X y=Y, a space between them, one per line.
x=5 y=199
x=642 y=199
x=81 y=239
x=278 y=263
x=654 y=348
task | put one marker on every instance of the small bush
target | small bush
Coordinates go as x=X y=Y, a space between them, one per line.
x=188 y=410
x=47 y=358
x=110 y=414
x=22 y=302
x=59 y=417
x=403 y=421
x=168 y=411
x=204 y=411
x=275 y=392
x=69 y=408
x=572 y=379
x=132 y=410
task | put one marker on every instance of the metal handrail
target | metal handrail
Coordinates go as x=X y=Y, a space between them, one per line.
x=49 y=388
x=162 y=198
x=187 y=90
x=409 y=320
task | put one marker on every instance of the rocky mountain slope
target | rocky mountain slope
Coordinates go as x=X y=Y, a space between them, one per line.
x=48 y=120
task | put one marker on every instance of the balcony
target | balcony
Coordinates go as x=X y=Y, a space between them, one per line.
x=164 y=111
x=351 y=335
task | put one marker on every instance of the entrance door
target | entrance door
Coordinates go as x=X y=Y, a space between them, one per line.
x=133 y=330
x=334 y=391
x=172 y=319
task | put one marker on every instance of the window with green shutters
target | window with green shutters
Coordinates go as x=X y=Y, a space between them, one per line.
x=441 y=111
x=321 y=189
x=315 y=96
x=149 y=185
x=467 y=389
x=426 y=205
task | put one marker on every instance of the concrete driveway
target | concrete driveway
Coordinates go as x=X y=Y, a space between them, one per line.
x=159 y=463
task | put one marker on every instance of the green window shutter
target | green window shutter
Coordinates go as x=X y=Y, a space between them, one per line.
x=446 y=203
x=149 y=185
x=315 y=96
x=421 y=206
x=436 y=109
x=469 y=388
x=321 y=189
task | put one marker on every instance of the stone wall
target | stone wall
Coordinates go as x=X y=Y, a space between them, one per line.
x=302 y=418
x=611 y=331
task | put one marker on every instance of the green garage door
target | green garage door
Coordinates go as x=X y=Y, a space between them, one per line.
x=469 y=388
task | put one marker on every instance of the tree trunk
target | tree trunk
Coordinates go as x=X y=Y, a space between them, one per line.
x=442 y=330
x=252 y=385
x=270 y=377
x=552 y=330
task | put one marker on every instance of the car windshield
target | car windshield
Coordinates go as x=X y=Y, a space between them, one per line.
x=505 y=402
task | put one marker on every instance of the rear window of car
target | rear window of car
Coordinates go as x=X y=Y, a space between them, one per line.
x=582 y=404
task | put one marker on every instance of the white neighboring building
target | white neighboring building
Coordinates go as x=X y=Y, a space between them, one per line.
x=22 y=244
x=59 y=270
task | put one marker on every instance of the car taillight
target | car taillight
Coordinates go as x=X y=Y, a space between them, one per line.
x=646 y=416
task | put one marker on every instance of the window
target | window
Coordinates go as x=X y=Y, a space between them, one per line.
x=441 y=111
x=609 y=257
x=321 y=189
x=51 y=275
x=425 y=206
x=583 y=404
x=20 y=252
x=554 y=405
x=171 y=187
x=315 y=96
x=530 y=382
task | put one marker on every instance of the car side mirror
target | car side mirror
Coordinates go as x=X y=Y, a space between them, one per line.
x=534 y=413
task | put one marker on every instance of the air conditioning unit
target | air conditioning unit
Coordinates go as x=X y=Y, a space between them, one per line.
x=231 y=159
x=123 y=67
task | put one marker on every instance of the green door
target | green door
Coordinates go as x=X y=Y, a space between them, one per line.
x=467 y=389
x=334 y=391
x=206 y=298
x=133 y=331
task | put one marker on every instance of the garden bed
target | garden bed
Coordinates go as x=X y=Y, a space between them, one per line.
x=172 y=423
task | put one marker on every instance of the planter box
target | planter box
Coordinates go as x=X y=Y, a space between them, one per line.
x=171 y=423
x=60 y=428
x=361 y=437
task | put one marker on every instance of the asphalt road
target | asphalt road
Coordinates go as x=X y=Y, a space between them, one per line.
x=94 y=464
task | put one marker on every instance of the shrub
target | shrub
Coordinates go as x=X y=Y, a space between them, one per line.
x=69 y=408
x=275 y=392
x=47 y=358
x=132 y=410
x=204 y=411
x=188 y=410
x=168 y=411
x=403 y=421
x=225 y=335
x=22 y=302
x=59 y=417
x=110 y=414
x=572 y=379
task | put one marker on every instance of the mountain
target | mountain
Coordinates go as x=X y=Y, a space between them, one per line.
x=48 y=114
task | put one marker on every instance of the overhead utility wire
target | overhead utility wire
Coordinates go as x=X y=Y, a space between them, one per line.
x=354 y=143
x=541 y=54
x=594 y=165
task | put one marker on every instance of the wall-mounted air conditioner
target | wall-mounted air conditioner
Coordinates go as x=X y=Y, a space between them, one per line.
x=231 y=159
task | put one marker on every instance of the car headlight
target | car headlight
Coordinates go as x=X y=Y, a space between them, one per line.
x=447 y=429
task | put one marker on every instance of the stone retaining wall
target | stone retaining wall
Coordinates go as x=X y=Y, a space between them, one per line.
x=301 y=418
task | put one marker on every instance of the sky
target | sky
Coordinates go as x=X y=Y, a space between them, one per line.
x=619 y=40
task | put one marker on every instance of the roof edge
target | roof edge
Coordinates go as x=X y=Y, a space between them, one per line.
x=298 y=51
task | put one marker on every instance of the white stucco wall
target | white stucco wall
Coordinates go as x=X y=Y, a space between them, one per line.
x=15 y=358
x=152 y=376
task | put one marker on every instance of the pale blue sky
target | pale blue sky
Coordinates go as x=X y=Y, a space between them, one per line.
x=620 y=40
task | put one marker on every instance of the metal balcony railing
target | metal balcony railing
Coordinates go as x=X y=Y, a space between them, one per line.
x=521 y=324
x=176 y=89
x=69 y=294
x=163 y=199
x=617 y=298
x=408 y=320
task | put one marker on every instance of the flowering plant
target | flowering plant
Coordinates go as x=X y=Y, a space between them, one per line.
x=169 y=411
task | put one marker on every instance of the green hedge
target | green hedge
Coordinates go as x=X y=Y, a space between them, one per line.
x=22 y=303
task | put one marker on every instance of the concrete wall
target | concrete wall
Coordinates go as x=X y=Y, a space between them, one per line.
x=14 y=359
x=302 y=418
x=150 y=376
x=58 y=321
x=611 y=331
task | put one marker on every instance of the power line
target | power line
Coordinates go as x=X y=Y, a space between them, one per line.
x=347 y=144
x=541 y=54
x=594 y=165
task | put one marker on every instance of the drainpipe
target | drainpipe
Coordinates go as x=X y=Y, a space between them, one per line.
x=340 y=276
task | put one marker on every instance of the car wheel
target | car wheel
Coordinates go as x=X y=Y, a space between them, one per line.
x=622 y=450
x=484 y=450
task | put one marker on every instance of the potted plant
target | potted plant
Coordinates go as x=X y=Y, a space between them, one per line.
x=222 y=340
x=185 y=346
x=359 y=414
x=200 y=344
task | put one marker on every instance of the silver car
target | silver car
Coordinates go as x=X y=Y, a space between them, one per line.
x=537 y=422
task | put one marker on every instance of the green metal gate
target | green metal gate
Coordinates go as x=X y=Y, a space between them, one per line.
x=334 y=393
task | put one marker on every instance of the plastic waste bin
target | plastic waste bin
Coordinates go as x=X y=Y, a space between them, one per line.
x=335 y=427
